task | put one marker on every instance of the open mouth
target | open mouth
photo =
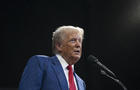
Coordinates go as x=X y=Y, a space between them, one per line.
x=77 y=51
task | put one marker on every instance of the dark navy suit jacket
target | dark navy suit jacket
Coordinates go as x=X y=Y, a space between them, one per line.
x=46 y=73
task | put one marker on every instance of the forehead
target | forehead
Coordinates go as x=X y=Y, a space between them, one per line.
x=72 y=32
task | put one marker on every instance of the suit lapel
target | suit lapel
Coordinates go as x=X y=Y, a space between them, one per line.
x=59 y=73
x=78 y=81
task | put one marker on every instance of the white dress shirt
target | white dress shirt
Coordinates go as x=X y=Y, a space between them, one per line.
x=64 y=65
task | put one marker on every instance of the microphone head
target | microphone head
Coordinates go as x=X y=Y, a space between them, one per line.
x=92 y=58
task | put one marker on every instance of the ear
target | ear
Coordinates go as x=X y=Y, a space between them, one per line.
x=58 y=47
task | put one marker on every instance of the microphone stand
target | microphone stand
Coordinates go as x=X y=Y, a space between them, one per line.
x=115 y=79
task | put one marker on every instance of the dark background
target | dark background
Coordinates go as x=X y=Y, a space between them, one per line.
x=112 y=33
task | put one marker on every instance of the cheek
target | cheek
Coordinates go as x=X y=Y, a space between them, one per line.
x=69 y=49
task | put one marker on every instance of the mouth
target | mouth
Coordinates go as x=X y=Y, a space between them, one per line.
x=77 y=52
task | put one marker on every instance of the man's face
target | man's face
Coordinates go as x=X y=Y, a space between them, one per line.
x=71 y=47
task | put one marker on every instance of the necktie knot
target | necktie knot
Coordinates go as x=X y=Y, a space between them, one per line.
x=69 y=67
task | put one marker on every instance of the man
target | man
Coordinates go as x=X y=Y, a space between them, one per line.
x=57 y=72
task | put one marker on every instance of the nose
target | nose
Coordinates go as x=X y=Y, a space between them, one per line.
x=78 y=44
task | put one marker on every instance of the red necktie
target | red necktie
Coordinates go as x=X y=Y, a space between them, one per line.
x=71 y=79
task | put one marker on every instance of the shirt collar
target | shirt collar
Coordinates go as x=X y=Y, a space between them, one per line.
x=63 y=61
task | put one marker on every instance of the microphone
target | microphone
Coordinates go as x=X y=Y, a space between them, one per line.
x=103 y=70
x=92 y=58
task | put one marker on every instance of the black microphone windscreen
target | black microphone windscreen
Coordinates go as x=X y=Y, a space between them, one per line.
x=92 y=58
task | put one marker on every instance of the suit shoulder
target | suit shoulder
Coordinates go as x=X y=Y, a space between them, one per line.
x=39 y=59
x=41 y=56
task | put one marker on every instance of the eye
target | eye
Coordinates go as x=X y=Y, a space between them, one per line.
x=80 y=40
x=73 y=40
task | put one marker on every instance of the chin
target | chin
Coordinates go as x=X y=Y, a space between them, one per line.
x=75 y=61
x=77 y=57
